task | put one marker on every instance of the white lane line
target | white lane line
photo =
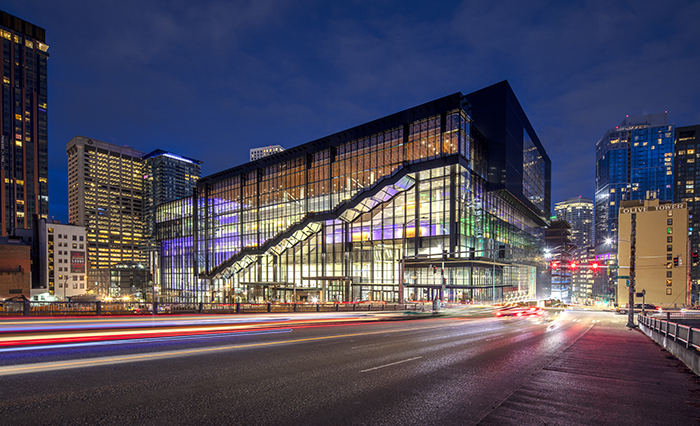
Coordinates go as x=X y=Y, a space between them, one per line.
x=389 y=365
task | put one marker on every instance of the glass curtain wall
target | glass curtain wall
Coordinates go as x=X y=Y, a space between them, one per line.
x=402 y=210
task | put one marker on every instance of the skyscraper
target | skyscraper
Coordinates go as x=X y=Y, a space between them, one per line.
x=578 y=211
x=687 y=170
x=23 y=116
x=167 y=177
x=105 y=195
x=634 y=161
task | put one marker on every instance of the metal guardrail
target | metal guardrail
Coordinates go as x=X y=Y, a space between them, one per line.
x=33 y=308
x=673 y=330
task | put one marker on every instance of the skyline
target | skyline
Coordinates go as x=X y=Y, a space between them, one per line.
x=194 y=79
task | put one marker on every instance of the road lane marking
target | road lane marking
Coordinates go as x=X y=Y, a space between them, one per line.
x=389 y=365
x=31 y=368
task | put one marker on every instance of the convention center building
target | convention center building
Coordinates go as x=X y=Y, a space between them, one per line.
x=446 y=200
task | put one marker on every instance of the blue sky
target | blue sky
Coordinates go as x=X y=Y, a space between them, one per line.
x=212 y=79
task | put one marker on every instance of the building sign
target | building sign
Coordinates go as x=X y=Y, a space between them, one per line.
x=642 y=209
x=77 y=262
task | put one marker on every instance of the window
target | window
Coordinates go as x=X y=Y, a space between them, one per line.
x=669 y=248
x=669 y=222
x=668 y=291
x=75 y=237
x=669 y=274
x=81 y=238
x=669 y=213
x=669 y=256
x=668 y=283
x=75 y=246
x=669 y=230
x=669 y=239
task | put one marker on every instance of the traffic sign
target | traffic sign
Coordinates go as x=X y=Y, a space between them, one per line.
x=622 y=277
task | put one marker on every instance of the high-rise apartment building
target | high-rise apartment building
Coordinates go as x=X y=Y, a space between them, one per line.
x=105 y=195
x=687 y=170
x=634 y=161
x=578 y=211
x=24 y=187
x=257 y=153
x=167 y=177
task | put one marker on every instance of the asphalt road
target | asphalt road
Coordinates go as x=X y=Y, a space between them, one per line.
x=431 y=371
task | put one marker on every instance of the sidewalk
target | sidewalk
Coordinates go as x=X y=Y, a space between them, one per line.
x=610 y=376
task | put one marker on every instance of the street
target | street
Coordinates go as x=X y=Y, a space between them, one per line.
x=433 y=370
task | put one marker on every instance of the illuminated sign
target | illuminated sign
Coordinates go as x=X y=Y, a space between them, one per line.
x=77 y=262
x=628 y=210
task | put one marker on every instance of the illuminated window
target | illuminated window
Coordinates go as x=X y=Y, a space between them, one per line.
x=668 y=291
x=669 y=230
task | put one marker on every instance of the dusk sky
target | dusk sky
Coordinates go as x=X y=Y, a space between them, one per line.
x=212 y=79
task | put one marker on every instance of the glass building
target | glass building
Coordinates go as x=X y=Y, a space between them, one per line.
x=634 y=161
x=444 y=200
x=24 y=167
x=578 y=211
x=687 y=169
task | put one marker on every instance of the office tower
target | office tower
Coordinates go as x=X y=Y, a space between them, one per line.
x=634 y=161
x=687 y=170
x=661 y=253
x=24 y=188
x=578 y=211
x=167 y=177
x=447 y=199
x=105 y=195
x=558 y=248
x=257 y=153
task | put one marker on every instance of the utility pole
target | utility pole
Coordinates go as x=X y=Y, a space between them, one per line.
x=633 y=248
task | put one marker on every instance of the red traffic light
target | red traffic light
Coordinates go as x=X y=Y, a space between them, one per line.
x=595 y=266
x=554 y=264
x=573 y=265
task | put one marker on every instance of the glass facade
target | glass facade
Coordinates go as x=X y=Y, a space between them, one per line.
x=578 y=211
x=687 y=155
x=396 y=209
x=167 y=177
x=24 y=189
x=634 y=161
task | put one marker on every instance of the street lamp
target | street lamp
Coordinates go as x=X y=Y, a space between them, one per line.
x=65 y=284
x=633 y=259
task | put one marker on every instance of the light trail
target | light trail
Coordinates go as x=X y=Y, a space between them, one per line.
x=51 y=366
x=144 y=340
x=38 y=333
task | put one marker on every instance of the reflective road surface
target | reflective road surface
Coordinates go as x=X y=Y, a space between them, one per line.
x=305 y=369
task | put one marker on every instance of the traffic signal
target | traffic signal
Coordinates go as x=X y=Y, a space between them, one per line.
x=573 y=265
x=554 y=264
x=694 y=256
x=595 y=266
x=675 y=261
